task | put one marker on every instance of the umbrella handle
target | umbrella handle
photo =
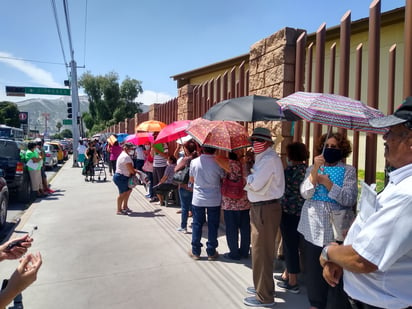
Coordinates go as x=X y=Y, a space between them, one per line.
x=327 y=137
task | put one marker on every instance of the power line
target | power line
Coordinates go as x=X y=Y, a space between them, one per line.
x=85 y=34
x=31 y=60
x=59 y=34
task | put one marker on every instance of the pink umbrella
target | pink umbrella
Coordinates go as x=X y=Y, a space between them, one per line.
x=173 y=131
x=140 y=138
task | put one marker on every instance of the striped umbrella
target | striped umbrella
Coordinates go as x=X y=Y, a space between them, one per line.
x=332 y=109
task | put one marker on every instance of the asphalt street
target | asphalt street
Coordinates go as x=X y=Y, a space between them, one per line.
x=93 y=258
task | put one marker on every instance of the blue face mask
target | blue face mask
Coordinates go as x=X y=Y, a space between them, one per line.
x=332 y=155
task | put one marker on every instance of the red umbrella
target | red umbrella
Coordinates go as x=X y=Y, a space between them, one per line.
x=225 y=135
x=140 y=138
x=173 y=131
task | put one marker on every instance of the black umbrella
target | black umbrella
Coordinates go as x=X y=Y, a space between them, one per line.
x=248 y=108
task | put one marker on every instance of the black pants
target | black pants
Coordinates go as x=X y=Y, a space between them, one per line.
x=291 y=237
x=320 y=294
x=356 y=304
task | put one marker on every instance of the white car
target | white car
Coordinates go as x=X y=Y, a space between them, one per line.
x=51 y=156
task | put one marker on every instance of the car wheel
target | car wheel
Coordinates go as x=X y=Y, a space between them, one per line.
x=25 y=192
x=4 y=205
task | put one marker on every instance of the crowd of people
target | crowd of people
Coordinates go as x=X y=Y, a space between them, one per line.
x=304 y=202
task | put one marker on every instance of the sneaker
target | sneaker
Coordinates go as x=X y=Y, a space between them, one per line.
x=280 y=278
x=253 y=302
x=180 y=229
x=252 y=290
x=193 y=256
x=291 y=288
x=213 y=257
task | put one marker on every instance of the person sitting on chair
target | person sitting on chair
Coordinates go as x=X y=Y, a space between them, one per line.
x=166 y=182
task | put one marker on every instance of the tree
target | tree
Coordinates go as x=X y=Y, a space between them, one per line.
x=58 y=126
x=66 y=133
x=109 y=102
x=9 y=114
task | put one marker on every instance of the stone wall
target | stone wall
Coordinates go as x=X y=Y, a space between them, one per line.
x=185 y=103
x=271 y=73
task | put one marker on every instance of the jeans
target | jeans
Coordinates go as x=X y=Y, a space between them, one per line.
x=186 y=204
x=199 y=218
x=237 y=221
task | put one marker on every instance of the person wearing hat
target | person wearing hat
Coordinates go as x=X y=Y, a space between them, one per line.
x=124 y=169
x=265 y=186
x=376 y=256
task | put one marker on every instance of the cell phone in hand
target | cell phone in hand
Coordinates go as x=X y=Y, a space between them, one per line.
x=16 y=243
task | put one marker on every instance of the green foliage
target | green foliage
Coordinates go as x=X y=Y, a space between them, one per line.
x=380 y=180
x=66 y=133
x=9 y=114
x=58 y=126
x=109 y=101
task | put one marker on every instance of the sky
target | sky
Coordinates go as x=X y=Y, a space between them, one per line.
x=148 y=40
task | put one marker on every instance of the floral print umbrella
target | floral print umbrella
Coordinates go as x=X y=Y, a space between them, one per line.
x=224 y=135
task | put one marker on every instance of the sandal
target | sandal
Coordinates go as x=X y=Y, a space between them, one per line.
x=119 y=213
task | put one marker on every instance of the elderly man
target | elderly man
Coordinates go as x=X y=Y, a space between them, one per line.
x=265 y=186
x=376 y=257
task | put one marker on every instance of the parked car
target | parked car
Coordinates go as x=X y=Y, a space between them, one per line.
x=59 y=150
x=4 y=199
x=68 y=145
x=51 y=156
x=14 y=169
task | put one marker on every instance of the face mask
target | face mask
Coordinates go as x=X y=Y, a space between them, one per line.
x=332 y=155
x=181 y=154
x=131 y=152
x=147 y=147
x=259 y=147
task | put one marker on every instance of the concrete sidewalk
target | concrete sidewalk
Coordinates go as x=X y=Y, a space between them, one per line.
x=94 y=258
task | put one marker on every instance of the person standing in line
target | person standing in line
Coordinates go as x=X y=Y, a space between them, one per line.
x=265 y=186
x=376 y=256
x=292 y=202
x=81 y=150
x=34 y=162
x=324 y=193
x=205 y=175
x=124 y=169
x=115 y=151
x=235 y=210
x=160 y=154
x=186 y=191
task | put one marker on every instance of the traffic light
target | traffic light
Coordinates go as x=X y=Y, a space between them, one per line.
x=67 y=83
x=69 y=110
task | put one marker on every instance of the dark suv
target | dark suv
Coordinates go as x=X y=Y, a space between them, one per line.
x=15 y=172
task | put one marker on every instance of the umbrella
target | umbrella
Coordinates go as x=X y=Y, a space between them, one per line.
x=121 y=137
x=248 y=108
x=331 y=109
x=173 y=131
x=111 y=139
x=150 y=126
x=225 y=135
x=140 y=138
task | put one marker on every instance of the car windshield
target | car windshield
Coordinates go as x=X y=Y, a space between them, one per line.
x=8 y=149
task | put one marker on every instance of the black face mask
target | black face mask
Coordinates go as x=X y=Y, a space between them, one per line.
x=332 y=155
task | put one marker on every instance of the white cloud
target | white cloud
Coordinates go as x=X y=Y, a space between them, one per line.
x=149 y=97
x=37 y=75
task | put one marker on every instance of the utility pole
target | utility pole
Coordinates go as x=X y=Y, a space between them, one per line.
x=75 y=109
x=46 y=118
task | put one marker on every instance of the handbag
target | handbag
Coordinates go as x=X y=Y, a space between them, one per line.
x=147 y=166
x=182 y=176
x=133 y=181
x=341 y=221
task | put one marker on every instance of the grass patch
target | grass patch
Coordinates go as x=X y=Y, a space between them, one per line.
x=380 y=180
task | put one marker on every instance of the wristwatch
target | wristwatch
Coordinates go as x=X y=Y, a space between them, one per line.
x=324 y=253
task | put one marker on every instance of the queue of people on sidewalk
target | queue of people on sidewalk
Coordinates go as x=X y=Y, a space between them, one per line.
x=310 y=205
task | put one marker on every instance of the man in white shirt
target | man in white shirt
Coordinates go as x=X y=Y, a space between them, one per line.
x=265 y=186
x=376 y=257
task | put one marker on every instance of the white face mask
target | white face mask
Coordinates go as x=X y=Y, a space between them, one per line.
x=147 y=147
x=131 y=152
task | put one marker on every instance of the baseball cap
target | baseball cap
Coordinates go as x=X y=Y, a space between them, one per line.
x=403 y=114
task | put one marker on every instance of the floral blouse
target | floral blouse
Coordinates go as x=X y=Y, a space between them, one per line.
x=292 y=201
x=235 y=174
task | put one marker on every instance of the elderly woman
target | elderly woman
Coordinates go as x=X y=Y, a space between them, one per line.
x=124 y=169
x=329 y=185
